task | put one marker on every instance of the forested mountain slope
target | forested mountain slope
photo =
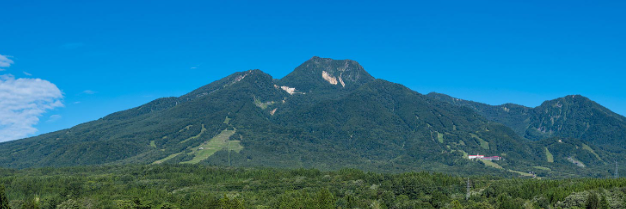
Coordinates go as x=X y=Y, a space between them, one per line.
x=573 y=116
x=328 y=114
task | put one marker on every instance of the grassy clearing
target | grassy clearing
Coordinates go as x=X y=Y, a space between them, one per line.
x=167 y=158
x=521 y=173
x=186 y=128
x=217 y=143
x=227 y=120
x=542 y=168
x=262 y=105
x=576 y=162
x=549 y=155
x=440 y=137
x=196 y=136
x=585 y=147
x=152 y=144
x=491 y=164
x=465 y=155
x=484 y=144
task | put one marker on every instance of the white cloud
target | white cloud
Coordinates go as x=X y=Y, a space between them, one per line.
x=89 y=92
x=22 y=102
x=53 y=118
x=2 y=69
x=5 y=61
x=26 y=73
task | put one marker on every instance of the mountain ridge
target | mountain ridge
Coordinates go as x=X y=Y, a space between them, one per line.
x=551 y=118
x=326 y=114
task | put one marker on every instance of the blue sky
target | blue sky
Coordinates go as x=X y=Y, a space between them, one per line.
x=113 y=55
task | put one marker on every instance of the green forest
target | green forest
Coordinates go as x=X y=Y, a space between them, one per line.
x=201 y=186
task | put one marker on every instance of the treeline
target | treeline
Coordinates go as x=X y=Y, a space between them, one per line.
x=196 y=186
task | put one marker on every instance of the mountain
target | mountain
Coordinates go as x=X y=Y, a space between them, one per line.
x=320 y=79
x=573 y=116
x=326 y=114
x=136 y=133
x=317 y=73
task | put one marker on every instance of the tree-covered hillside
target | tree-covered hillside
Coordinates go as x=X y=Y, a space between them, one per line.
x=573 y=116
x=331 y=114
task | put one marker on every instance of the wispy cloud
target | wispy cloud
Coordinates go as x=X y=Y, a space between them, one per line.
x=5 y=61
x=54 y=118
x=26 y=73
x=89 y=91
x=2 y=69
x=22 y=102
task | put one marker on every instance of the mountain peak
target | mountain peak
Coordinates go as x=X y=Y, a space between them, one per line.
x=328 y=62
x=577 y=97
x=327 y=73
x=316 y=57
x=570 y=100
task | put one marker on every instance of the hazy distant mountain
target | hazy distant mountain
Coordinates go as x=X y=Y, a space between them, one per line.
x=332 y=114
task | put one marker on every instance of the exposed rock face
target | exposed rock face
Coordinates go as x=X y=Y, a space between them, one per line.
x=288 y=89
x=306 y=77
x=332 y=80
x=341 y=81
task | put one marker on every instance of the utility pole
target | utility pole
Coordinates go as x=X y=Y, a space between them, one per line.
x=467 y=196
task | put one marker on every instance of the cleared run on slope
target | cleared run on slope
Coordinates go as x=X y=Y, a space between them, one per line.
x=217 y=143
x=196 y=136
x=549 y=156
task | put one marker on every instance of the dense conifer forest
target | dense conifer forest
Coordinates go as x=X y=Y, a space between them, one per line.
x=198 y=186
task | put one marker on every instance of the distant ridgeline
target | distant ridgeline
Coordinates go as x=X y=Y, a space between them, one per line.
x=331 y=114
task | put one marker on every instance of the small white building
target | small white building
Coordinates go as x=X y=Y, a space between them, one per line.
x=482 y=157
x=476 y=156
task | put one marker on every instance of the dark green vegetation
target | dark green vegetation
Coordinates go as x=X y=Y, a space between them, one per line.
x=331 y=114
x=196 y=186
x=572 y=116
